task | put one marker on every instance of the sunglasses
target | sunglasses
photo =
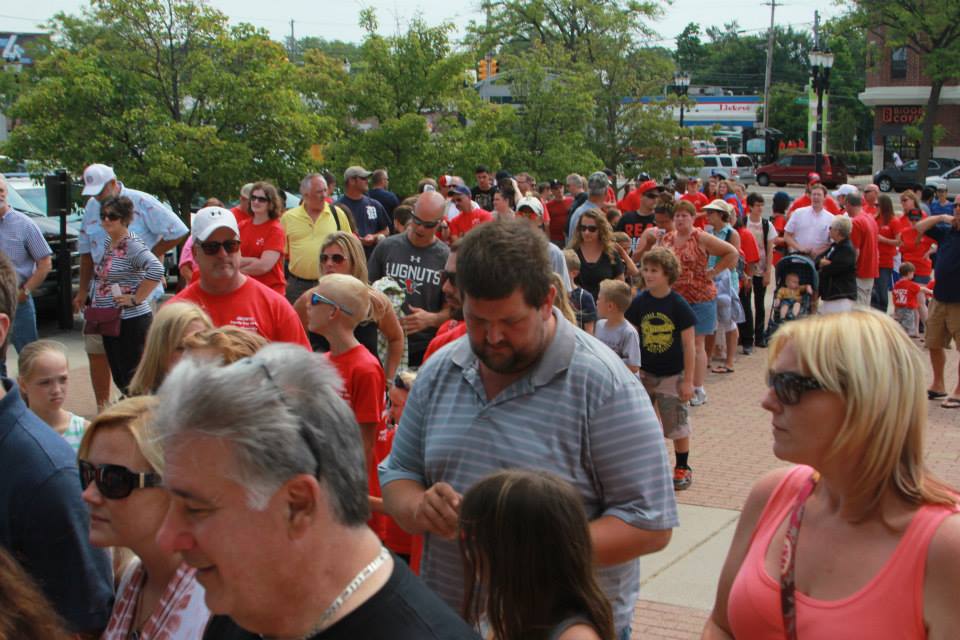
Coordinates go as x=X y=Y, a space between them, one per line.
x=212 y=248
x=111 y=216
x=400 y=384
x=448 y=276
x=114 y=481
x=790 y=387
x=423 y=223
x=336 y=258
x=259 y=199
x=316 y=299
x=590 y=228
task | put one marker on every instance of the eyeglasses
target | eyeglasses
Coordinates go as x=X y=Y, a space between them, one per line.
x=790 y=387
x=364 y=178
x=316 y=299
x=420 y=222
x=590 y=228
x=448 y=276
x=110 y=216
x=114 y=481
x=212 y=248
x=336 y=258
x=259 y=198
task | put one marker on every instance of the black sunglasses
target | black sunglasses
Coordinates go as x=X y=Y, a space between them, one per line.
x=317 y=298
x=790 y=386
x=448 y=276
x=212 y=248
x=114 y=481
x=423 y=223
x=110 y=216
x=335 y=258
x=400 y=384
x=590 y=228
x=260 y=198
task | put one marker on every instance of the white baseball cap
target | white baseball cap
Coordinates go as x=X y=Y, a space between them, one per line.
x=209 y=219
x=533 y=203
x=845 y=190
x=96 y=177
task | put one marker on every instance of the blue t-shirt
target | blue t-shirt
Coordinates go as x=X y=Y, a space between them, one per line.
x=369 y=215
x=388 y=199
x=44 y=523
x=947 y=270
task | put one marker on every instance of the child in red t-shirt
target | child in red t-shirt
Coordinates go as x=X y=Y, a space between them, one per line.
x=395 y=538
x=907 y=300
x=337 y=305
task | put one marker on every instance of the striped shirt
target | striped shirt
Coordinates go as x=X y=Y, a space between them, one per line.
x=22 y=242
x=579 y=413
x=127 y=264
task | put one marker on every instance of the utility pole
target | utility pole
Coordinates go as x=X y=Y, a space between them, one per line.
x=816 y=31
x=293 y=43
x=768 y=76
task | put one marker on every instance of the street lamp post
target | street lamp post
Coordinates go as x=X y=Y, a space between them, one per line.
x=820 y=64
x=681 y=85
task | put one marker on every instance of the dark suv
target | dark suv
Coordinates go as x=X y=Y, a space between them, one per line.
x=892 y=178
x=796 y=167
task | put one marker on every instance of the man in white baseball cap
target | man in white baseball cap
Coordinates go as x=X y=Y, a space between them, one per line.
x=226 y=294
x=153 y=222
x=530 y=208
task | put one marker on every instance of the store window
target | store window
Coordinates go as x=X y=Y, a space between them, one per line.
x=898 y=63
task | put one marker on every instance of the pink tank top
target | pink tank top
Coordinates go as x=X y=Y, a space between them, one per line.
x=890 y=606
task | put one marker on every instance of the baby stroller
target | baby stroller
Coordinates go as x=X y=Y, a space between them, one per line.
x=806 y=270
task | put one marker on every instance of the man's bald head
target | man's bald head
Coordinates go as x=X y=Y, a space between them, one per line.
x=430 y=206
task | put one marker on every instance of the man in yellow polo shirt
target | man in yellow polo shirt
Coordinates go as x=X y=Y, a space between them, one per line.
x=306 y=227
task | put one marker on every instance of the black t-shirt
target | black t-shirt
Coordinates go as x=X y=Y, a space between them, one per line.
x=369 y=215
x=388 y=199
x=404 y=609
x=660 y=321
x=593 y=273
x=634 y=224
x=484 y=199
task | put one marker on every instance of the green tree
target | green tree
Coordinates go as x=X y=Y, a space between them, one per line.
x=180 y=104
x=931 y=30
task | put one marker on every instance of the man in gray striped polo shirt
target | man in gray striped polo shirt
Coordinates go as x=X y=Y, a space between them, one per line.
x=526 y=389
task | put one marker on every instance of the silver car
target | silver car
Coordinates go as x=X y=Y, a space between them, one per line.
x=735 y=166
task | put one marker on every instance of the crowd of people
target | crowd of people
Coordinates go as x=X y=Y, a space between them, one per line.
x=445 y=415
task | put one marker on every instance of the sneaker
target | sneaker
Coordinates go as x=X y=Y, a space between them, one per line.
x=747 y=350
x=699 y=397
x=682 y=478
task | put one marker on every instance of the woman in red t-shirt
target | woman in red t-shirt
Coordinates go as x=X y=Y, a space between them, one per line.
x=916 y=246
x=887 y=242
x=262 y=239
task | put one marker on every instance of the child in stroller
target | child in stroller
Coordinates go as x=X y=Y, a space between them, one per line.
x=790 y=297
x=797 y=282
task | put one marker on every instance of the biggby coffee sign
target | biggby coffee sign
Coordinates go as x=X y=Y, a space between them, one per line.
x=900 y=115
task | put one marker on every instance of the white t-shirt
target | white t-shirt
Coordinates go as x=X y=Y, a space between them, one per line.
x=756 y=228
x=810 y=229
x=623 y=339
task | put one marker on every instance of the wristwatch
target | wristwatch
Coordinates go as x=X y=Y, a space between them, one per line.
x=26 y=290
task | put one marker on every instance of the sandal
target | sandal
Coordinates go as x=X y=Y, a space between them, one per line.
x=726 y=369
x=936 y=395
x=951 y=403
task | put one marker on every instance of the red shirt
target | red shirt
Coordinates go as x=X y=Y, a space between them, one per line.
x=240 y=214
x=748 y=246
x=913 y=251
x=698 y=199
x=558 y=218
x=864 y=239
x=804 y=201
x=869 y=208
x=447 y=333
x=252 y=306
x=889 y=231
x=779 y=222
x=906 y=294
x=363 y=383
x=257 y=238
x=466 y=221
x=396 y=539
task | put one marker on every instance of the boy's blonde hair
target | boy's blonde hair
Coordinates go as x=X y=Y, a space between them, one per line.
x=352 y=294
x=620 y=236
x=617 y=293
x=666 y=260
x=572 y=259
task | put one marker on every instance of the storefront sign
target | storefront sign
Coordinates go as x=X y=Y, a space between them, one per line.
x=900 y=115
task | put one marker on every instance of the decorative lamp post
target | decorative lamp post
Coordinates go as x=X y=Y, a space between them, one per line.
x=820 y=64
x=681 y=85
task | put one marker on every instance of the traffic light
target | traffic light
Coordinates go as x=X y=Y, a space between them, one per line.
x=494 y=65
x=482 y=70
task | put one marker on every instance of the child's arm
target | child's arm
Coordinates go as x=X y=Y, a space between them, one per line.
x=688 y=339
x=589 y=326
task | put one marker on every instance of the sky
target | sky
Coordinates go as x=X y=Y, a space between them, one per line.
x=338 y=20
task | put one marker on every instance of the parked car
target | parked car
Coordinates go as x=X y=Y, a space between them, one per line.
x=35 y=193
x=50 y=228
x=734 y=166
x=702 y=146
x=796 y=167
x=891 y=178
x=951 y=178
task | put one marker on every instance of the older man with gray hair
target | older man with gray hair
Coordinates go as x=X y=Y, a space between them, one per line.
x=269 y=504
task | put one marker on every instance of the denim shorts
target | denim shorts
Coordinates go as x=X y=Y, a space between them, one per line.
x=706 y=315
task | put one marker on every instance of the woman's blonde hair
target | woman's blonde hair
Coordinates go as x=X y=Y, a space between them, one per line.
x=867 y=358
x=604 y=233
x=352 y=249
x=232 y=343
x=164 y=337
x=135 y=415
x=27 y=358
x=562 y=300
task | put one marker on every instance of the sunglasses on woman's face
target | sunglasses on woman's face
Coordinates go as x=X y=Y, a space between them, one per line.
x=789 y=387
x=110 y=216
x=259 y=199
x=589 y=228
x=336 y=258
x=115 y=482
x=212 y=248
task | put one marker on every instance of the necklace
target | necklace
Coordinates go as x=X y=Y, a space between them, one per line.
x=351 y=588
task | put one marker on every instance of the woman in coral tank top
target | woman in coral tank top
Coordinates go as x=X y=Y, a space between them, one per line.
x=858 y=540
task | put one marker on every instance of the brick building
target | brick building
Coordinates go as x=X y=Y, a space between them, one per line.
x=898 y=91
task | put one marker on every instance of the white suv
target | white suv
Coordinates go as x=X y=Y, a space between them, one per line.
x=727 y=165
